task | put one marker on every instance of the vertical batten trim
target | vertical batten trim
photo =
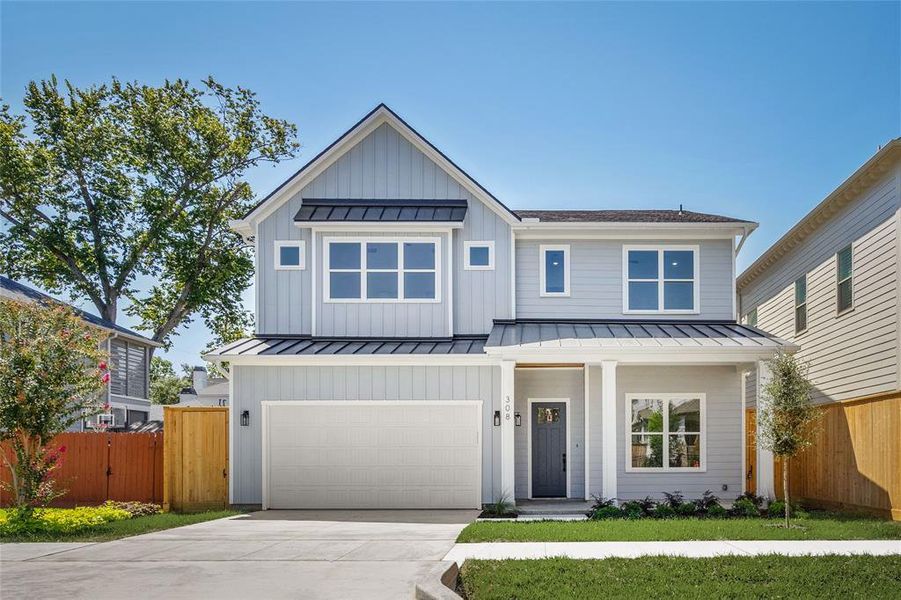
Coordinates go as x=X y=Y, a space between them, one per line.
x=231 y=437
x=512 y=274
x=450 y=282
x=313 y=274
x=608 y=422
x=587 y=443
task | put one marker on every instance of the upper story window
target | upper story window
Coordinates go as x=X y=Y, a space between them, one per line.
x=128 y=369
x=751 y=318
x=801 y=304
x=554 y=270
x=381 y=270
x=844 y=275
x=666 y=432
x=478 y=256
x=290 y=255
x=660 y=279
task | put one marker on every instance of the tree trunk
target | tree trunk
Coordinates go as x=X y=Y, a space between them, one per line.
x=785 y=497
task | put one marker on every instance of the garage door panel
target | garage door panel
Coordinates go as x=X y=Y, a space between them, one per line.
x=374 y=455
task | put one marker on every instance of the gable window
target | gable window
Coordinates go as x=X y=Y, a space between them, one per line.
x=128 y=369
x=478 y=256
x=382 y=270
x=666 y=432
x=660 y=279
x=751 y=318
x=801 y=304
x=554 y=270
x=289 y=255
x=844 y=273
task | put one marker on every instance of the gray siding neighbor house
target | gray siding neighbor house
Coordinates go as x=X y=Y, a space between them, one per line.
x=420 y=345
x=128 y=392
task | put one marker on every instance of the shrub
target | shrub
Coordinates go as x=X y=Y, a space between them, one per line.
x=776 y=509
x=135 y=509
x=716 y=511
x=603 y=508
x=501 y=507
x=664 y=511
x=59 y=520
x=639 y=509
x=706 y=502
x=744 y=507
x=687 y=509
x=753 y=498
x=673 y=500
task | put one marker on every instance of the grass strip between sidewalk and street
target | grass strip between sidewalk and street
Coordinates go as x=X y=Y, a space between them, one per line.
x=871 y=577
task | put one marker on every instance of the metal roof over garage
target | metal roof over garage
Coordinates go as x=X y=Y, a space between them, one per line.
x=310 y=346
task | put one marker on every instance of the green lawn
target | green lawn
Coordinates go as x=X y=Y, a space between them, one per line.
x=817 y=526
x=120 y=529
x=868 y=577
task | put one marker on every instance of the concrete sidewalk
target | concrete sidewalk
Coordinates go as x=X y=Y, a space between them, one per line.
x=695 y=549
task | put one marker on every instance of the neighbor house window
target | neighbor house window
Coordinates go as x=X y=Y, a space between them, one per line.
x=660 y=280
x=128 y=369
x=554 y=270
x=382 y=271
x=666 y=432
x=751 y=318
x=478 y=256
x=845 y=271
x=289 y=255
x=801 y=304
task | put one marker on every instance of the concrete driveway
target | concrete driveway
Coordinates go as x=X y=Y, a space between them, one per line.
x=273 y=554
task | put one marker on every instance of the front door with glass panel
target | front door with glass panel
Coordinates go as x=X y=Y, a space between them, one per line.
x=548 y=422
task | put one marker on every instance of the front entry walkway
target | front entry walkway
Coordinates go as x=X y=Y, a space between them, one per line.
x=272 y=554
x=696 y=549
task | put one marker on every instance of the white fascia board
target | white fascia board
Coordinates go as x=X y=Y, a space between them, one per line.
x=337 y=360
x=380 y=226
x=631 y=231
x=635 y=356
x=243 y=228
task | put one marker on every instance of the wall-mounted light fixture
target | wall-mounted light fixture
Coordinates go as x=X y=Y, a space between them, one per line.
x=245 y=418
x=497 y=418
x=517 y=418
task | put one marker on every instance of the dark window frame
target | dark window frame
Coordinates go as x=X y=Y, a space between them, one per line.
x=801 y=305
x=839 y=281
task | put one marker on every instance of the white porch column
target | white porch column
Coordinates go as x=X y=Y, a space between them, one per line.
x=765 y=470
x=608 y=427
x=508 y=464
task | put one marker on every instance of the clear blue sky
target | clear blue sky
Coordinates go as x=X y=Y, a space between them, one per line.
x=753 y=110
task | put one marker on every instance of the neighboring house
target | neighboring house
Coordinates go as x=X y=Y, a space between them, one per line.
x=420 y=345
x=129 y=352
x=831 y=286
x=204 y=391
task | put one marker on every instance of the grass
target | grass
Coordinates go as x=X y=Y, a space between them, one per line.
x=817 y=526
x=121 y=529
x=771 y=576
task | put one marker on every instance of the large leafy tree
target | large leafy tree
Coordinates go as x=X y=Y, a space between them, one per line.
x=51 y=374
x=165 y=385
x=125 y=191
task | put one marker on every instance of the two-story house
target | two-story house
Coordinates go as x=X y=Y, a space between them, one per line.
x=831 y=286
x=420 y=345
x=127 y=394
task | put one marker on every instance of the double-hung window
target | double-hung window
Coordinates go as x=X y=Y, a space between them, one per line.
x=553 y=270
x=666 y=432
x=660 y=279
x=844 y=273
x=801 y=303
x=381 y=270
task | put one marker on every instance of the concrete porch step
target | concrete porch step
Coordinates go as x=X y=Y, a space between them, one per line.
x=552 y=507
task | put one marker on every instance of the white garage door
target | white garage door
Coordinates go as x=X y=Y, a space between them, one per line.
x=371 y=454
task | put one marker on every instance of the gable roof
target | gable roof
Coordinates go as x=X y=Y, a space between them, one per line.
x=23 y=293
x=380 y=114
x=625 y=216
x=843 y=195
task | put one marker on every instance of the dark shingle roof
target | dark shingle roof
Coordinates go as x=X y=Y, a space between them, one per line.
x=306 y=345
x=17 y=291
x=405 y=210
x=625 y=216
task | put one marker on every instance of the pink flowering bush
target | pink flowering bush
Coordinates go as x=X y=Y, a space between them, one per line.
x=52 y=371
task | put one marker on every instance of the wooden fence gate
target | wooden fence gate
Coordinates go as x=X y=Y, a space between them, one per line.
x=196 y=458
x=97 y=467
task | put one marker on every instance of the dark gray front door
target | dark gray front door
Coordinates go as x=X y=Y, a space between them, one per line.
x=548 y=449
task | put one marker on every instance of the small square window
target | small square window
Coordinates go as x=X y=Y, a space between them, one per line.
x=289 y=255
x=478 y=256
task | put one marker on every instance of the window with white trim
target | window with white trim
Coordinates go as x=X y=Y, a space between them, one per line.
x=554 y=270
x=478 y=256
x=660 y=279
x=381 y=270
x=844 y=274
x=801 y=303
x=666 y=432
x=290 y=255
x=751 y=318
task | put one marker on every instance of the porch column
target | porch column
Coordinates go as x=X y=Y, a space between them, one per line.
x=608 y=428
x=765 y=470
x=508 y=487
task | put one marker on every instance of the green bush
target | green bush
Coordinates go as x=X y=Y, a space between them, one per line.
x=687 y=509
x=716 y=511
x=606 y=512
x=776 y=510
x=664 y=511
x=135 y=509
x=744 y=507
x=59 y=520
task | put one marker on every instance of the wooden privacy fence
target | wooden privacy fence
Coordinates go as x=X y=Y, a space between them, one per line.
x=855 y=462
x=196 y=458
x=103 y=466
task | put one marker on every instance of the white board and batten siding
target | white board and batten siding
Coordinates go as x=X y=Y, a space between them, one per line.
x=854 y=354
x=596 y=280
x=418 y=385
x=384 y=165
